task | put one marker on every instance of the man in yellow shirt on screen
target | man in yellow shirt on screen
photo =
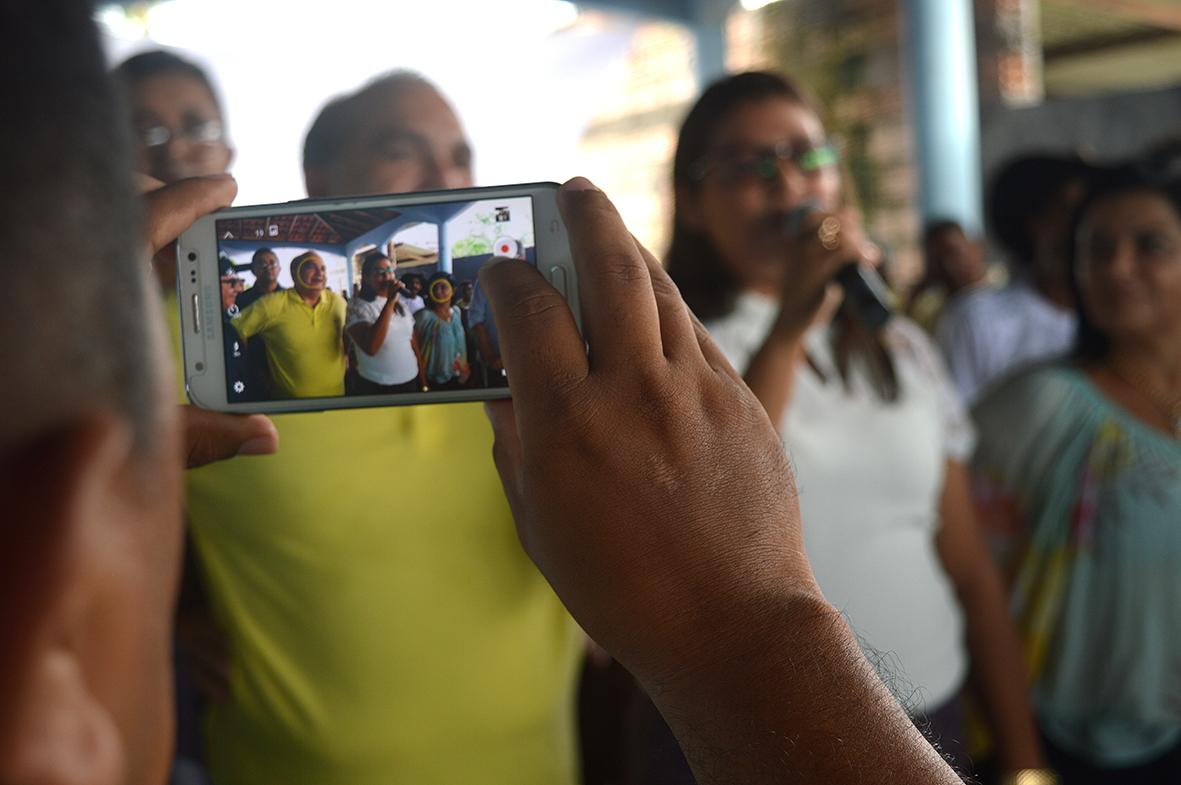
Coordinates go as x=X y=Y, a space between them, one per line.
x=304 y=331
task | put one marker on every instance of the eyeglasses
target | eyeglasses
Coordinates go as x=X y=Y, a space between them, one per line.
x=763 y=165
x=382 y=272
x=207 y=132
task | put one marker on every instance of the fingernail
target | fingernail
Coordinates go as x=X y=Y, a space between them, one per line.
x=259 y=445
x=579 y=184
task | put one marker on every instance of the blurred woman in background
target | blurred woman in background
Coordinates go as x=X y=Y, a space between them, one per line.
x=1079 y=468
x=762 y=227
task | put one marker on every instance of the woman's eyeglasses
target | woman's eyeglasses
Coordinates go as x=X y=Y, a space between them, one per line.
x=207 y=132
x=763 y=165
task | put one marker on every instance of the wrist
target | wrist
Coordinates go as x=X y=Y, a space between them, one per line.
x=789 y=328
x=754 y=630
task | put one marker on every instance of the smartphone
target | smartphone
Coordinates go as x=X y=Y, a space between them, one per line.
x=355 y=302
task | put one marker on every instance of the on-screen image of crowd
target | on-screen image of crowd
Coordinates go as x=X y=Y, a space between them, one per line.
x=371 y=301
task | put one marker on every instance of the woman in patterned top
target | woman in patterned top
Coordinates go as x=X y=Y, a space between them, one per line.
x=441 y=337
x=1079 y=475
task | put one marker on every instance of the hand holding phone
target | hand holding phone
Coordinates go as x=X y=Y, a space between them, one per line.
x=582 y=495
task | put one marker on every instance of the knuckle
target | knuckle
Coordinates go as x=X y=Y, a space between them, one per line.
x=621 y=267
x=535 y=305
x=664 y=288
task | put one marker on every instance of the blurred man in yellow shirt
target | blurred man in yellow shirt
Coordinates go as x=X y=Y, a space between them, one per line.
x=384 y=624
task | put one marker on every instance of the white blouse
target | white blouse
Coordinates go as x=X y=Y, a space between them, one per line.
x=394 y=362
x=870 y=478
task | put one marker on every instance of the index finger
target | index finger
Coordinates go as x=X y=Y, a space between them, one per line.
x=619 y=313
x=175 y=207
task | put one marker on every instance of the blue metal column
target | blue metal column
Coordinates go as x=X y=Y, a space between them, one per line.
x=940 y=37
x=709 y=28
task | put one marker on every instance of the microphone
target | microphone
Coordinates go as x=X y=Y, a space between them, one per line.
x=867 y=298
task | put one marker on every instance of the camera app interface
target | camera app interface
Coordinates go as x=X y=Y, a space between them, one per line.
x=369 y=301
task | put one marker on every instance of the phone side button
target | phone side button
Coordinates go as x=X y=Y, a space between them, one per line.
x=196 y=315
x=557 y=276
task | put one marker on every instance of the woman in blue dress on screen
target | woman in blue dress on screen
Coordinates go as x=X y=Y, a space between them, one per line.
x=439 y=327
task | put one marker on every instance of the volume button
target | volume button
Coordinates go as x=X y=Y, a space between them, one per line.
x=557 y=276
x=196 y=315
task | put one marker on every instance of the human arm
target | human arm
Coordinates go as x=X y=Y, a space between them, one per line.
x=679 y=548
x=370 y=336
x=998 y=671
x=808 y=296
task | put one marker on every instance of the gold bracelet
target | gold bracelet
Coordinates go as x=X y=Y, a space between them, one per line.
x=1030 y=777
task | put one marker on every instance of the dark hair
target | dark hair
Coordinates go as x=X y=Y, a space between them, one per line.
x=329 y=135
x=408 y=277
x=260 y=252
x=147 y=65
x=1022 y=190
x=709 y=287
x=938 y=226
x=435 y=278
x=1150 y=175
x=368 y=293
x=69 y=195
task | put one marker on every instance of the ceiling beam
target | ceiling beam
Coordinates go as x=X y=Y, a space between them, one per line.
x=673 y=10
x=1092 y=46
x=1142 y=11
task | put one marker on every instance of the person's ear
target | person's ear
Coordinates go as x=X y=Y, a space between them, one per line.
x=54 y=728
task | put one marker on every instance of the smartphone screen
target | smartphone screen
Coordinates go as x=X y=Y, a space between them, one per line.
x=368 y=301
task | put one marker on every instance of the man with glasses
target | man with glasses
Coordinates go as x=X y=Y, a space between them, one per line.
x=264 y=265
x=178 y=120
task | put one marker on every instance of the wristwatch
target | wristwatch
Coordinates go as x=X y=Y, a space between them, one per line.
x=1030 y=777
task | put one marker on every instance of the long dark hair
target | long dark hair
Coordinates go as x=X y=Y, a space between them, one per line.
x=694 y=263
x=368 y=293
x=1159 y=175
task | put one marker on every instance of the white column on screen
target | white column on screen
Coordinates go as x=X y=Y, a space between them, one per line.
x=444 y=248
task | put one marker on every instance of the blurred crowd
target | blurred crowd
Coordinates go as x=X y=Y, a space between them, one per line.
x=990 y=483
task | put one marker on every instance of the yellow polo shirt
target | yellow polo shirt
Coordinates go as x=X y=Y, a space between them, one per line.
x=305 y=344
x=384 y=623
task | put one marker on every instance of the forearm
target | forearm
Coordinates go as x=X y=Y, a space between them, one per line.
x=772 y=371
x=999 y=673
x=381 y=328
x=841 y=724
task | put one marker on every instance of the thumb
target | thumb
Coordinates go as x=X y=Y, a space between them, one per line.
x=213 y=436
